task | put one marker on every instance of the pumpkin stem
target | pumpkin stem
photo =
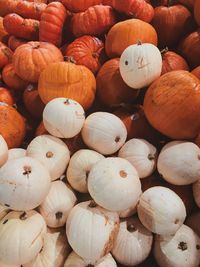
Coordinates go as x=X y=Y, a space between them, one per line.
x=123 y=174
x=59 y=215
x=130 y=227
x=151 y=157
x=27 y=170
x=117 y=139
x=165 y=50
x=139 y=42
x=183 y=246
x=95 y=55
x=87 y=174
x=89 y=265
x=92 y=204
x=69 y=59
x=4 y=222
x=23 y=216
x=49 y=154
x=198 y=247
x=67 y=102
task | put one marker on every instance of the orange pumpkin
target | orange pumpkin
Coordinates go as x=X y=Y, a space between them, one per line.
x=6 y=96
x=41 y=129
x=32 y=58
x=12 y=125
x=111 y=89
x=96 y=20
x=80 y=5
x=14 y=42
x=32 y=101
x=75 y=143
x=66 y=79
x=196 y=72
x=197 y=11
x=172 y=105
x=126 y=33
x=11 y=79
x=3 y=33
x=5 y=55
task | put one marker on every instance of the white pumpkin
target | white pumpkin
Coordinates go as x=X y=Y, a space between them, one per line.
x=15 y=153
x=196 y=192
x=52 y=152
x=179 y=250
x=3 y=264
x=79 y=167
x=91 y=230
x=161 y=210
x=54 y=251
x=128 y=212
x=63 y=117
x=56 y=206
x=140 y=65
x=104 y=132
x=179 y=162
x=25 y=183
x=114 y=184
x=141 y=154
x=3 y=151
x=193 y=221
x=75 y=260
x=21 y=236
x=133 y=243
x=3 y=211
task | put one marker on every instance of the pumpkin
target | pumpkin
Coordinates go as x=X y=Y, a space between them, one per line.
x=96 y=20
x=133 y=243
x=28 y=228
x=51 y=152
x=52 y=22
x=193 y=222
x=12 y=126
x=104 y=132
x=196 y=194
x=183 y=248
x=54 y=251
x=111 y=89
x=3 y=33
x=14 y=42
x=172 y=61
x=140 y=65
x=107 y=2
x=138 y=9
x=79 y=167
x=176 y=19
x=6 y=96
x=32 y=58
x=80 y=5
x=40 y=129
x=21 y=173
x=154 y=203
x=197 y=11
x=23 y=28
x=189 y=48
x=129 y=32
x=75 y=260
x=196 y=72
x=187 y=3
x=11 y=79
x=98 y=240
x=3 y=151
x=5 y=55
x=63 y=117
x=57 y=205
x=171 y=104
x=15 y=153
x=68 y=80
x=32 y=101
x=87 y=51
x=197 y=140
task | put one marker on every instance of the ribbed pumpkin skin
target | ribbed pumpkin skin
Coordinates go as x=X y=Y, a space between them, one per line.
x=80 y=5
x=12 y=126
x=197 y=11
x=172 y=105
x=6 y=96
x=95 y=20
x=126 y=33
x=51 y=23
x=67 y=80
x=14 y=42
x=3 y=33
x=88 y=51
x=196 y=72
x=32 y=58
x=5 y=55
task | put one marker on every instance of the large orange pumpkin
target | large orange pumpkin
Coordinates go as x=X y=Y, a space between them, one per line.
x=12 y=125
x=80 y=5
x=197 y=11
x=66 y=79
x=14 y=42
x=172 y=105
x=196 y=72
x=6 y=96
x=32 y=58
x=5 y=55
x=126 y=33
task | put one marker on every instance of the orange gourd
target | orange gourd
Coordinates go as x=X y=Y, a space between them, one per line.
x=196 y=72
x=6 y=96
x=3 y=33
x=5 y=55
x=197 y=11
x=80 y=5
x=14 y=42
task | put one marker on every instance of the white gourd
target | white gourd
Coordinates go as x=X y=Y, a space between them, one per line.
x=3 y=151
x=15 y=153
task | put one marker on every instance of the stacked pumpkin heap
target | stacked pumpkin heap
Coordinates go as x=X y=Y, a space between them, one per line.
x=99 y=133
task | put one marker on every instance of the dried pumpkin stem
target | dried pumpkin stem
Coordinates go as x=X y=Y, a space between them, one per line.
x=183 y=246
x=92 y=204
x=23 y=216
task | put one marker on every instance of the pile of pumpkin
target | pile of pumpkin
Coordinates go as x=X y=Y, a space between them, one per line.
x=99 y=133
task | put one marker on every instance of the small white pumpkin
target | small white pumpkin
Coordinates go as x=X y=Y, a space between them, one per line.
x=63 y=117
x=91 y=230
x=141 y=154
x=179 y=162
x=54 y=251
x=56 y=206
x=196 y=192
x=161 y=210
x=25 y=183
x=114 y=184
x=140 y=65
x=52 y=152
x=3 y=151
x=104 y=132
x=193 y=221
x=3 y=264
x=133 y=243
x=181 y=249
x=75 y=260
x=79 y=167
x=15 y=153
x=21 y=236
x=3 y=211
